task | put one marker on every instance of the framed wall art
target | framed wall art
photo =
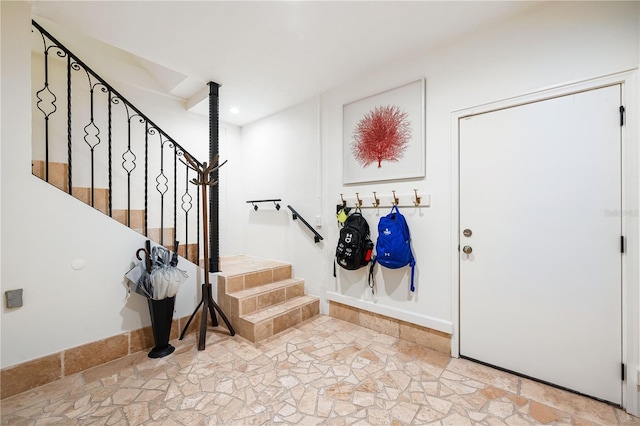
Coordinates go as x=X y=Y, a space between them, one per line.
x=384 y=135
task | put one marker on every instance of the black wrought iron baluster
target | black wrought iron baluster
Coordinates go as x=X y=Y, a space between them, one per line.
x=92 y=139
x=161 y=185
x=109 y=148
x=175 y=192
x=186 y=207
x=69 y=146
x=129 y=165
x=146 y=177
x=46 y=92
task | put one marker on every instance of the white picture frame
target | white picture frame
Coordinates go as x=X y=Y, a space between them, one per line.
x=397 y=113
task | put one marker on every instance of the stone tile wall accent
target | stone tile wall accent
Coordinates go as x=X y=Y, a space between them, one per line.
x=58 y=173
x=403 y=330
x=37 y=372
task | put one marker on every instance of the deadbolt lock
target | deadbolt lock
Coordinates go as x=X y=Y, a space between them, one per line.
x=467 y=232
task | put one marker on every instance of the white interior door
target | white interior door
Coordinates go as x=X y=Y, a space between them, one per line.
x=540 y=191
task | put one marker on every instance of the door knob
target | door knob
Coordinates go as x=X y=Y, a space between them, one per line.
x=467 y=249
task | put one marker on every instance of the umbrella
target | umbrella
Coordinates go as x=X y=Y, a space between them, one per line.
x=143 y=284
x=157 y=276
x=166 y=278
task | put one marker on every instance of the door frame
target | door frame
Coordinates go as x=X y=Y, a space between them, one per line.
x=630 y=214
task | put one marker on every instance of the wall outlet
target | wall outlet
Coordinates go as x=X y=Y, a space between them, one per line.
x=14 y=298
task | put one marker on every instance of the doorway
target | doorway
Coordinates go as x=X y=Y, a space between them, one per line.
x=540 y=262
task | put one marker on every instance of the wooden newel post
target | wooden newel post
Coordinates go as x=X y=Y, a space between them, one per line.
x=208 y=304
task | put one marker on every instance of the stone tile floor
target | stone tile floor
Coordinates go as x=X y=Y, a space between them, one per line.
x=324 y=371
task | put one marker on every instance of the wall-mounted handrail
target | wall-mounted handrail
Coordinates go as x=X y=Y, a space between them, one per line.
x=316 y=236
x=275 y=201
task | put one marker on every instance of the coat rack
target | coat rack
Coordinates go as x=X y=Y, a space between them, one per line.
x=207 y=302
x=401 y=200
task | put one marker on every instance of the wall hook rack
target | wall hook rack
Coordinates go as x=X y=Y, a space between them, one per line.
x=376 y=200
x=416 y=200
x=275 y=201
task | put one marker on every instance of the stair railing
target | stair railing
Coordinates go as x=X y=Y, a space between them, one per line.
x=316 y=236
x=99 y=125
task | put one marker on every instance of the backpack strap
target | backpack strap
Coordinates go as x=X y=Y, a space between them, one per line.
x=413 y=267
x=370 y=280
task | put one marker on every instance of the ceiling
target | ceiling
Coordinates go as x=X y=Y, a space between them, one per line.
x=267 y=55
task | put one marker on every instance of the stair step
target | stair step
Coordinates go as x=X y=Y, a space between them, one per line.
x=168 y=236
x=267 y=322
x=280 y=308
x=58 y=177
x=244 y=272
x=253 y=299
x=265 y=288
x=100 y=195
x=58 y=173
x=241 y=264
x=154 y=234
x=189 y=252
x=136 y=216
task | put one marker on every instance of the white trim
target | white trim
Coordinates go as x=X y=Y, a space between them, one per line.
x=399 y=314
x=630 y=222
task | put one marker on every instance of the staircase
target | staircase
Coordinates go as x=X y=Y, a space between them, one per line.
x=91 y=142
x=261 y=298
x=58 y=178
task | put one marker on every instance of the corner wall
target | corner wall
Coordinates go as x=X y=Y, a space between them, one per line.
x=280 y=159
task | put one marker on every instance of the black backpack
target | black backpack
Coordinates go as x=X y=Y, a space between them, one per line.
x=354 y=245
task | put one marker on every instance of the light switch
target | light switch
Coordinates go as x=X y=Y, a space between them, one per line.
x=14 y=298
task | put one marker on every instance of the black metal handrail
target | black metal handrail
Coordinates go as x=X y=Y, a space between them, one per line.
x=129 y=133
x=275 y=201
x=316 y=236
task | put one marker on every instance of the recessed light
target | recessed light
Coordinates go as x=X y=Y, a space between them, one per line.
x=234 y=110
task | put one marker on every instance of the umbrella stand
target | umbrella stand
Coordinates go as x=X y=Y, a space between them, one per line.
x=208 y=304
x=161 y=318
x=160 y=311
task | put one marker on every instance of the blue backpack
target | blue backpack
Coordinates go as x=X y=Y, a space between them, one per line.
x=393 y=248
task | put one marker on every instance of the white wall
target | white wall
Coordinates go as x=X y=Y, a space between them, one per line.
x=555 y=44
x=44 y=230
x=281 y=160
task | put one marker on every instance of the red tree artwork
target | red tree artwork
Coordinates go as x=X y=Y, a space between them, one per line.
x=382 y=134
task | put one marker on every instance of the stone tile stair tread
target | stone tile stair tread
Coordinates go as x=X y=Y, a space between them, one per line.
x=241 y=264
x=280 y=308
x=264 y=288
